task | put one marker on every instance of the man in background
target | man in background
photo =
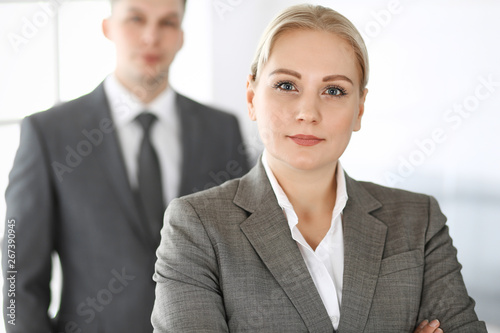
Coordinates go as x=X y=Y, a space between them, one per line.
x=92 y=177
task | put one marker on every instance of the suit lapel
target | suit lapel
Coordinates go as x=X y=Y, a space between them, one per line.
x=268 y=232
x=110 y=159
x=191 y=132
x=364 y=241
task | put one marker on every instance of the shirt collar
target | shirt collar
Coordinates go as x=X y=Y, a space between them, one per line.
x=285 y=204
x=125 y=106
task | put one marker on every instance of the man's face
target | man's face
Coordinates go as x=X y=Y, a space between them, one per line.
x=147 y=35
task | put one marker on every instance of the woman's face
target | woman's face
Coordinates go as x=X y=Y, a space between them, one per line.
x=307 y=100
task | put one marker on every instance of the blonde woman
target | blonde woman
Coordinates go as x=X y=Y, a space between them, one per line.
x=297 y=245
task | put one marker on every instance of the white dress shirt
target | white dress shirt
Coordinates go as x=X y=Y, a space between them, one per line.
x=165 y=133
x=326 y=263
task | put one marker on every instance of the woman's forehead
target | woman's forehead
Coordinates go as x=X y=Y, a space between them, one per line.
x=304 y=50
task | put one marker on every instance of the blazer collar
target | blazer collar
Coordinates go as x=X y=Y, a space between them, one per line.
x=364 y=239
x=364 y=242
x=268 y=232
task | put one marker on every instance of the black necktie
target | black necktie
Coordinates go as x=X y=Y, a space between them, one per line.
x=149 y=177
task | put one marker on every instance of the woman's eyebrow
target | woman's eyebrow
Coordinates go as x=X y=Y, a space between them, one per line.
x=337 y=77
x=286 y=71
x=334 y=77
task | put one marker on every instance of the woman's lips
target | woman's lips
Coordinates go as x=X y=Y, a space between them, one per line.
x=305 y=140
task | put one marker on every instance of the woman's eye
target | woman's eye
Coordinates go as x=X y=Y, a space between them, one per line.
x=334 y=91
x=285 y=86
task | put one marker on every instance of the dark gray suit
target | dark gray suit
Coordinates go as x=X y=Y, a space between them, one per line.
x=69 y=193
x=227 y=263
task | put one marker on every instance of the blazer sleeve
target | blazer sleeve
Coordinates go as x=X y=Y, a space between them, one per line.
x=30 y=217
x=188 y=297
x=444 y=295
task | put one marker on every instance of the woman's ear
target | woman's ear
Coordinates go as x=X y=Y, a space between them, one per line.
x=250 y=97
x=361 y=110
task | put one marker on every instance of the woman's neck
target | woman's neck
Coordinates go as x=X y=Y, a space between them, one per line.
x=312 y=194
x=309 y=191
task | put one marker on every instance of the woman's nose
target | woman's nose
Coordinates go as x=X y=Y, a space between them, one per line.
x=308 y=110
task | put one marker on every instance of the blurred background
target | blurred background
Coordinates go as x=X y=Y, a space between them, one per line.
x=432 y=115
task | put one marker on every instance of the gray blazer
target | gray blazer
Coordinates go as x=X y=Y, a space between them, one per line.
x=83 y=209
x=227 y=263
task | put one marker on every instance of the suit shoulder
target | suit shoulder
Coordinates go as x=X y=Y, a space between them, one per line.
x=71 y=110
x=389 y=194
x=218 y=194
x=203 y=110
x=209 y=202
x=213 y=208
x=402 y=210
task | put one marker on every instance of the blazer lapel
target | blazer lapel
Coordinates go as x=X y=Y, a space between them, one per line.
x=364 y=241
x=110 y=159
x=191 y=131
x=269 y=233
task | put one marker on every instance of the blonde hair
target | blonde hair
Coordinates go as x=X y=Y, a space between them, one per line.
x=313 y=18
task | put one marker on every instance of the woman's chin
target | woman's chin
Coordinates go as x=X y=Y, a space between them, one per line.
x=309 y=163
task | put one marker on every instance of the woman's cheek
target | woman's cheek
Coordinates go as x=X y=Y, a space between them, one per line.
x=265 y=130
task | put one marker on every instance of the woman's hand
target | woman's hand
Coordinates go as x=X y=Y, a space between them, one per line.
x=429 y=327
